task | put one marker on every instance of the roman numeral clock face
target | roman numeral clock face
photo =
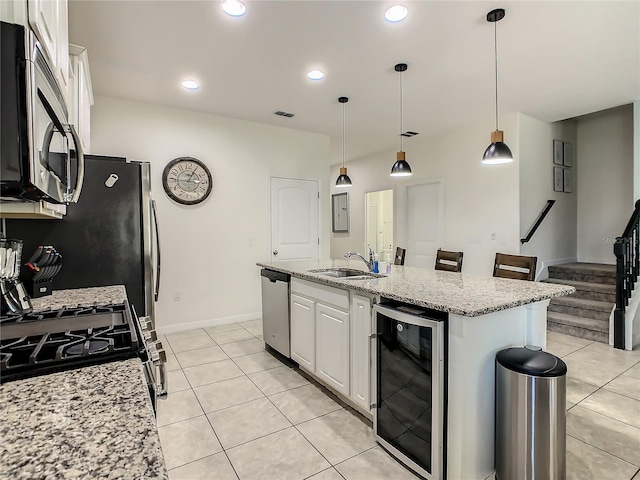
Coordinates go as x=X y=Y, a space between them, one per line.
x=187 y=180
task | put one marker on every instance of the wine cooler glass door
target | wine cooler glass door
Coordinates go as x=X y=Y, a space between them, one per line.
x=409 y=389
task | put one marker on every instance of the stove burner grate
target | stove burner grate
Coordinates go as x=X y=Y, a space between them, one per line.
x=86 y=348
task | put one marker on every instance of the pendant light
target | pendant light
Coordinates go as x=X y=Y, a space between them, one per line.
x=498 y=152
x=401 y=168
x=343 y=179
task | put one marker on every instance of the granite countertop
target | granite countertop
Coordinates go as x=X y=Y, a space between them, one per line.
x=459 y=293
x=80 y=297
x=95 y=422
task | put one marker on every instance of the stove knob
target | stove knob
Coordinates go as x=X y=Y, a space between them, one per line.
x=145 y=323
x=153 y=353
x=150 y=336
x=162 y=356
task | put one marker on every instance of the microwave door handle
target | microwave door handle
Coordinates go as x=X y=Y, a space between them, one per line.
x=155 y=223
x=73 y=197
x=46 y=143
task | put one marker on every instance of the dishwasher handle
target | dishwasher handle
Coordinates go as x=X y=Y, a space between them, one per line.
x=274 y=276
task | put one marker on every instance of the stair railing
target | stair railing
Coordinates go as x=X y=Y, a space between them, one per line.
x=538 y=221
x=627 y=252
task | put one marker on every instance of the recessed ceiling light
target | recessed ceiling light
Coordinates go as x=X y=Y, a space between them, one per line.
x=234 y=8
x=315 y=75
x=190 y=85
x=397 y=13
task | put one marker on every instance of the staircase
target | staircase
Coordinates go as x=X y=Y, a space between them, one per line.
x=585 y=313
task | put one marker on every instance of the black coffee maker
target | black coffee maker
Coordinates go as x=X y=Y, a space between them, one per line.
x=14 y=296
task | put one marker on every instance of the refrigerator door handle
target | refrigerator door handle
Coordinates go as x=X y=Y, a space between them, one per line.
x=155 y=224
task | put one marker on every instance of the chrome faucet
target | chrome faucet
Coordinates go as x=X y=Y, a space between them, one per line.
x=356 y=254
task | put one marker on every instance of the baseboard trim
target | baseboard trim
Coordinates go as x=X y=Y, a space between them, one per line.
x=605 y=261
x=212 y=322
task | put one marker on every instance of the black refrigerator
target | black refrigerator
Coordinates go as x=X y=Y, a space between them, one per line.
x=110 y=237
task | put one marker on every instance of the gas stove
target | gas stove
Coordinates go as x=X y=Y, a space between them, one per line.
x=54 y=340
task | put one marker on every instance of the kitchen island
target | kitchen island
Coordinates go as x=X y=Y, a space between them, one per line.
x=95 y=422
x=483 y=316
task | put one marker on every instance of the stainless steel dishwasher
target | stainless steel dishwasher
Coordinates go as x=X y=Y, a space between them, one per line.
x=275 y=310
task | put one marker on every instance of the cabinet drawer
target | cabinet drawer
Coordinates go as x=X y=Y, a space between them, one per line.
x=322 y=293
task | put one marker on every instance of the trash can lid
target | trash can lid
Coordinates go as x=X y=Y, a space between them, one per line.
x=531 y=361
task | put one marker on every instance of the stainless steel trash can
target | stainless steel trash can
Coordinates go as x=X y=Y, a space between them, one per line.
x=530 y=415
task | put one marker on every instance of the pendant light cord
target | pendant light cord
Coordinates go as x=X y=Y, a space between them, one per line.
x=343 y=126
x=495 y=48
x=401 y=116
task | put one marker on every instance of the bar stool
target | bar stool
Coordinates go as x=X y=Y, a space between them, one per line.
x=519 y=267
x=449 y=261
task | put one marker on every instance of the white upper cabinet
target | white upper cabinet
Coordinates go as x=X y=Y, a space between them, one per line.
x=80 y=94
x=50 y=22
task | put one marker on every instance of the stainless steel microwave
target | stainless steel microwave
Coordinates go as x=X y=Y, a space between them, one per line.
x=40 y=153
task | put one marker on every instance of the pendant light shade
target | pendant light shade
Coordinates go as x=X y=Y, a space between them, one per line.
x=343 y=179
x=401 y=168
x=498 y=152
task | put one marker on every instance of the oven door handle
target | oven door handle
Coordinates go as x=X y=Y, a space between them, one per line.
x=73 y=195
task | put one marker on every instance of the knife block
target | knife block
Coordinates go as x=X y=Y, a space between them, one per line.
x=40 y=289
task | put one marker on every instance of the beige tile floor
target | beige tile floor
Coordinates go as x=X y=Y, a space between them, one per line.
x=236 y=412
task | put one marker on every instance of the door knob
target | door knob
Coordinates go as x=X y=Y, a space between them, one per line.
x=275 y=252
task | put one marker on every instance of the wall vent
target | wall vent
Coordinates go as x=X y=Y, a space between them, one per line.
x=284 y=114
x=409 y=133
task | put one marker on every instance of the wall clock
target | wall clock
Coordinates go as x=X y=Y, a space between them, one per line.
x=187 y=180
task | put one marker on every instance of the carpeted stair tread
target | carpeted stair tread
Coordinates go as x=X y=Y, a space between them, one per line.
x=594 y=291
x=594 y=287
x=578 y=332
x=589 y=268
x=584 y=272
x=579 y=322
x=583 y=303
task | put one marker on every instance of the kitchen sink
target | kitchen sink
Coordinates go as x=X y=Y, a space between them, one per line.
x=346 y=273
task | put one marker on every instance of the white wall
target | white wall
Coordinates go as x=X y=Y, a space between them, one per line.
x=205 y=248
x=479 y=200
x=555 y=241
x=605 y=181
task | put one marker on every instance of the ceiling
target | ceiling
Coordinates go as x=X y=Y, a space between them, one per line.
x=557 y=60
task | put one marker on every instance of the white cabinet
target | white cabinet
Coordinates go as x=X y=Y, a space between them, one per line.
x=303 y=331
x=332 y=347
x=320 y=332
x=361 y=328
x=330 y=338
x=81 y=94
x=49 y=21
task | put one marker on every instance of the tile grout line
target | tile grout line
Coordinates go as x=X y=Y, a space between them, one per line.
x=603 y=414
x=295 y=426
x=216 y=435
x=604 y=451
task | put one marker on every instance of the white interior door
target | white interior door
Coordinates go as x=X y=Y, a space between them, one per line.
x=294 y=219
x=425 y=212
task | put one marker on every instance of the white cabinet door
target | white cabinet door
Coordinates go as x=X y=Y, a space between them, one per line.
x=44 y=18
x=84 y=106
x=332 y=347
x=303 y=332
x=360 y=351
x=62 y=50
x=81 y=94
